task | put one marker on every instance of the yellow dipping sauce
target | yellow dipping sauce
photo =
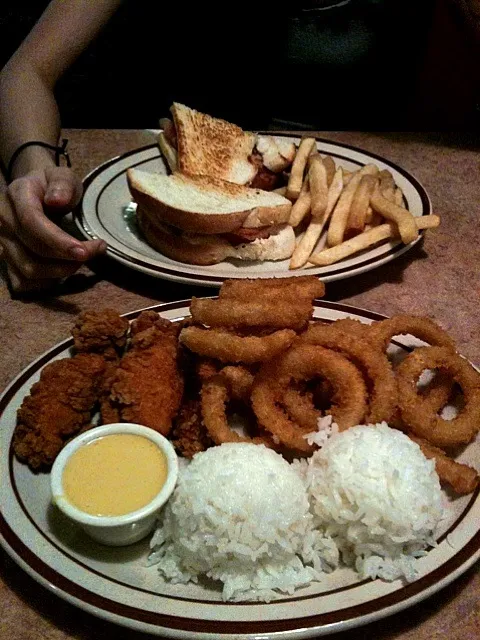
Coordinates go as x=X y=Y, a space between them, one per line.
x=114 y=475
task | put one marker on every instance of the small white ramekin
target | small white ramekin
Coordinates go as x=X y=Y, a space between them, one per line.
x=124 y=529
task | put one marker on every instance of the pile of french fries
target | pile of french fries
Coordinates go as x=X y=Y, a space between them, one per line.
x=345 y=212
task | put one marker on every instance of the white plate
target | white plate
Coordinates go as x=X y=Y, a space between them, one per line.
x=102 y=214
x=116 y=585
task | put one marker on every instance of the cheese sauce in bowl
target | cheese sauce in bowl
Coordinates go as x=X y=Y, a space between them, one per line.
x=112 y=481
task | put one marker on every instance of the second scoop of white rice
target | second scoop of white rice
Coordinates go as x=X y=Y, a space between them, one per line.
x=374 y=492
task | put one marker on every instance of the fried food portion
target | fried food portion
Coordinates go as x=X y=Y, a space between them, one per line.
x=228 y=347
x=103 y=332
x=274 y=288
x=215 y=396
x=423 y=328
x=462 y=478
x=375 y=365
x=189 y=434
x=423 y=422
x=307 y=362
x=252 y=320
x=147 y=385
x=59 y=405
x=226 y=312
x=300 y=406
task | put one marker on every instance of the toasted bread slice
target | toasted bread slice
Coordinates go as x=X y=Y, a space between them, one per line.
x=212 y=147
x=201 y=204
x=202 y=249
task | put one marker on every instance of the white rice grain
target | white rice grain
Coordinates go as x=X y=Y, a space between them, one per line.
x=376 y=495
x=240 y=514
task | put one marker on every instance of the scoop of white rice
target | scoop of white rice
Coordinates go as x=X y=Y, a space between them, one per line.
x=374 y=492
x=240 y=514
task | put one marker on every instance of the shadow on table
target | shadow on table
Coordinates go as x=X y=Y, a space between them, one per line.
x=146 y=285
x=392 y=272
x=167 y=291
x=137 y=282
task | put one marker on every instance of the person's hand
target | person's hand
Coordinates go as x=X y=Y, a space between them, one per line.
x=37 y=251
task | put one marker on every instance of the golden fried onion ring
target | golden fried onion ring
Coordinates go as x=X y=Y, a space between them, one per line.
x=228 y=347
x=300 y=408
x=427 y=424
x=215 y=395
x=274 y=288
x=462 y=478
x=276 y=313
x=384 y=393
x=420 y=327
x=300 y=363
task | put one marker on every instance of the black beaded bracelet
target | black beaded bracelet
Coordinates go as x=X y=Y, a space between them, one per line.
x=59 y=151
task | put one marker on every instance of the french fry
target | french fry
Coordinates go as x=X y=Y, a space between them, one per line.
x=386 y=180
x=302 y=204
x=282 y=191
x=295 y=180
x=391 y=211
x=331 y=168
x=398 y=198
x=317 y=176
x=368 y=239
x=369 y=215
x=360 y=204
x=340 y=214
x=168 y=152
x=388 y=194
x=314 y=230
x=431 y=221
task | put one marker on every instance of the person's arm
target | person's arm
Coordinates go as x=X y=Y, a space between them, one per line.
x=28 y=110
x=34 y=247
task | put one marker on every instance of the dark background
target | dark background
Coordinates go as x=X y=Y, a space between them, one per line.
x=409 y=65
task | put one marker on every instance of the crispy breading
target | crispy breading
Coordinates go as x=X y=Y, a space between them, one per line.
x=147 y=385
x=59 y=405
x=189 y=435
x=103 y=332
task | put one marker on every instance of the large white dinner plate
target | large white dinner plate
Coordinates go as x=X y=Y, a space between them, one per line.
x=116 y=584
x=103 y=214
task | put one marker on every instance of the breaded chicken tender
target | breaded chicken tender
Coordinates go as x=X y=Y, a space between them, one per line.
x=147 y=385
x=59 y=405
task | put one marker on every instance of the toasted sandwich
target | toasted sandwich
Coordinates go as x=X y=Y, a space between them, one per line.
x=204 y=220
x=195 y=143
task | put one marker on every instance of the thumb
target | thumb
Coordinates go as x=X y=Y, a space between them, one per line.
x=63 y=190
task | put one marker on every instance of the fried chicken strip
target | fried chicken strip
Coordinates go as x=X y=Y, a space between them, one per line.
x=147 y=385
x=59 y=405
x=103 y=332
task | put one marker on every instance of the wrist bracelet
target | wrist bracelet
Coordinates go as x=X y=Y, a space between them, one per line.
x=59 y=151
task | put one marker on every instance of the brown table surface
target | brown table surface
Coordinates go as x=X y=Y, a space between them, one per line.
x=439 y=278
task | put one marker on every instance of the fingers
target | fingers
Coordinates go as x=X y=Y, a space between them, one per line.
x=34 y=247
x=24 y=217
x=64 y=189
x=32 y=226
x=31 y=267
